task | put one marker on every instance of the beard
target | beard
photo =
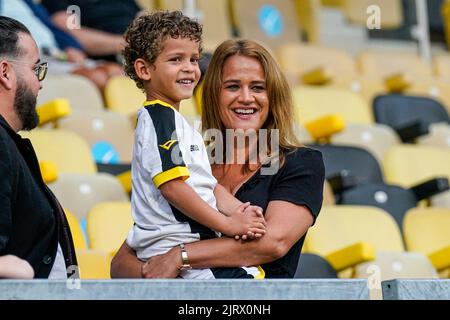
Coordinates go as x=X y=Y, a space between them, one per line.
x=25 y=106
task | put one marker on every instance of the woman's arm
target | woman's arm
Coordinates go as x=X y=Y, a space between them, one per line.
x=286 y=224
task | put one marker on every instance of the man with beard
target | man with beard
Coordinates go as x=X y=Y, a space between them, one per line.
x=33 y=226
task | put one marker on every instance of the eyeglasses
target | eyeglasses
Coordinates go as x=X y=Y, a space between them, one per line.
x=40 y=70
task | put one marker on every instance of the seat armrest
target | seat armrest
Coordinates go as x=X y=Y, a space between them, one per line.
x=351 y=255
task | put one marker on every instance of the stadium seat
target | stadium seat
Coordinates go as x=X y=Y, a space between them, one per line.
x=426 y=231
x=439 y=136
x=122 y=95
x=383 y=64
x=375 y=138
x=269 y=22
x=409 y=116
x=80 y=192
x=67 y=150
x=308 y=18
x=108 y=224
x=437 y=89
x=314 y=266
x=407 y=165
x=349 y=235
x=78 y=236
x=442 y=66
x=69 y=87
x=215 y=17
x=109 y=134
x=313 y=64
x=94 y=264
x=314 y=102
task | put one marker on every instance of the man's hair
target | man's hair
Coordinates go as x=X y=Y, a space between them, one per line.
x=9 y=36
x=146 y=35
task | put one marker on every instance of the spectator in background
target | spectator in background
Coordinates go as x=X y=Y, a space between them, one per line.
x=64 y=51
x=103 y=22
x=33 y=225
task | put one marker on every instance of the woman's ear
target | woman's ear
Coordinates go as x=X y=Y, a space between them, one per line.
x=142 y=69
x=6 y=75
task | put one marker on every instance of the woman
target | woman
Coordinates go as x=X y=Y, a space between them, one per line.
x=245 y=89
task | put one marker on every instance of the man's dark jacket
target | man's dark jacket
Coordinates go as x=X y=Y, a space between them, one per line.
x=32 y=221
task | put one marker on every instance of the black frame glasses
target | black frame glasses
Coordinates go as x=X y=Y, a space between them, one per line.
x=40 y=70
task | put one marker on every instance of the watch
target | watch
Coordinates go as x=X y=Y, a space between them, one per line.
x=184 y=258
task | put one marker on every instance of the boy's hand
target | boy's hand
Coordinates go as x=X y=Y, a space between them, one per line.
x=247 y=224
x=257 y=212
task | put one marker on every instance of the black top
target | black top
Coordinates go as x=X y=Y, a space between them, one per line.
x=111 y=16
x=300 y=181
x=32 y=221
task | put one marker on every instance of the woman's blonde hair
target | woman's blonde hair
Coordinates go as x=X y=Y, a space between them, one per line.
x=281 y=109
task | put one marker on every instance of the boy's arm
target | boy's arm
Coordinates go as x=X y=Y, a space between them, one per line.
x=185 y=199
x=226 y=202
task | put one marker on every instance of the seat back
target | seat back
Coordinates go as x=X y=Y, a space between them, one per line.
x=108 y=225
x=360 y=164
x=393 y=199
x=375 y=138
x=81 y=92
x=396 y=110
x=109 y=134
x=386 y=63
x=214 y=16
x=356 y=11
x=80 y=192
x=314 y=102
x=341 y=226
x=426 y=230
x=270 y=22
x=407 y=165
x=94 y=264
x=67 y=150
x=122 y=95
x=77 y=232
x=314 y=266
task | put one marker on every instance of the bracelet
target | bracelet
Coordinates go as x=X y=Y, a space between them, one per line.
x=184 y=258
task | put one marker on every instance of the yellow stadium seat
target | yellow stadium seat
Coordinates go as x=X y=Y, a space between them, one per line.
x=358 y=237
x=391 y=11
x=437 y=89
x=446 y=20
x=75 y=228
x=313 y=64
x=376 y=138
x=122 y=95
x=214 y=16
x=441 y=64
x=49 y=171
x=314 y=102
x=80 y=192
x=270 y=22
x=383 y=64
x=308 y=12
x=109 y=134
x=94 y=264
x=407 y=165
x=67 y=150
x=108 y=225
x=52 y=111
x=426 y=230
x=81 y=93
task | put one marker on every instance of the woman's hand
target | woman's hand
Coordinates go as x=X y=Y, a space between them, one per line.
x=163 y=265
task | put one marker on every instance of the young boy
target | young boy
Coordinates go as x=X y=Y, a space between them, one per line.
x=174 y=192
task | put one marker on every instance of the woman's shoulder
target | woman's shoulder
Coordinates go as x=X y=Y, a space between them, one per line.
x=302 y=154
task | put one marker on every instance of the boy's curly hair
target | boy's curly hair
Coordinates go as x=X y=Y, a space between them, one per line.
x=146 y=34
